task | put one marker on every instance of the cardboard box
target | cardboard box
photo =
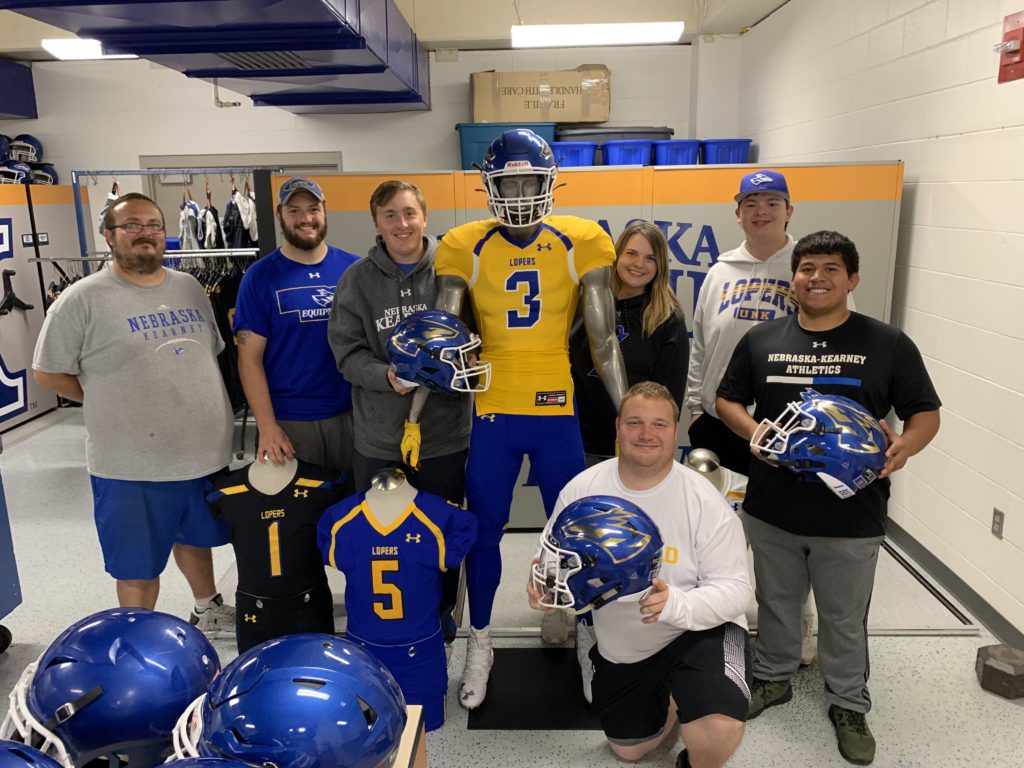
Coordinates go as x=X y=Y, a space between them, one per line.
x=581 y=95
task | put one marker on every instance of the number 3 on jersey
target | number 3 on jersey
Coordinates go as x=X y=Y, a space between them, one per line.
x=527 y=316
x=391 y=608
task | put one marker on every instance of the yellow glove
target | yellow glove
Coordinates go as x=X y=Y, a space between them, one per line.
x=410 y=446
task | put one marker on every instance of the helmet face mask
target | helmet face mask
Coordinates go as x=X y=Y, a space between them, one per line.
x=433 y=348
x=14 y=172
x=826 y=438
x=520 y=156
x=26 y=149
x=299 y=701
x=596 y=550
x=111 y=686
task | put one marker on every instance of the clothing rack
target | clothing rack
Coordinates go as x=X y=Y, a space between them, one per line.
x=211 y=253
x=261 y=181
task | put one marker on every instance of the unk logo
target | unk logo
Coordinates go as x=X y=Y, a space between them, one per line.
x=300 y=493
x=178 y=351
x=13 y=392
x=323 y=297
x=816 y=344
x=613 y=530
x=761 y=178
x=6 y=243
x=543 y=246
x=412 y=537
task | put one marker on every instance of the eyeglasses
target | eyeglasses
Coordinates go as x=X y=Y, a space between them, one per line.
x=134 y=227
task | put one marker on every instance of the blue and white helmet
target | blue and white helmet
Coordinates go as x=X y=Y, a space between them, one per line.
x=432 y=348
x=5 y=147
x=44 y=173
x=14 y=754
x=26 y=148
x=826 y=438
x=298 y=701
x=596 y=550
x=516 y=153
x=111 y=686
x=14 y=172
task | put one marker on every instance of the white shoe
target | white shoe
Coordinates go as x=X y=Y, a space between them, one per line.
x=217 y=621
x=585 y=640
x=808 y=643
x=479 y=660
x=554 y=627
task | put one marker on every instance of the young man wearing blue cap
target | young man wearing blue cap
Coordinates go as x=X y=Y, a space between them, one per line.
x=301 y=403
x=746 y=286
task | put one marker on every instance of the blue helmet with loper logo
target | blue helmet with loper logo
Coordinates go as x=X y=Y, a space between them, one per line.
x=596 y=550
x=826 y=438
x=432 y=348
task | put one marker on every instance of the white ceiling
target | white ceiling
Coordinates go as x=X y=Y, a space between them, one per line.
x=482 y=24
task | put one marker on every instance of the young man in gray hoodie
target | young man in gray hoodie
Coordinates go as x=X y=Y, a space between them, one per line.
x=394 y=280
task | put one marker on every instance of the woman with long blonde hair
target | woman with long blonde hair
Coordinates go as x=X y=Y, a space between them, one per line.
x=651 y=332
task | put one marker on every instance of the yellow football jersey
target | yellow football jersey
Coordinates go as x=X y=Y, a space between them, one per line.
x=524 y=298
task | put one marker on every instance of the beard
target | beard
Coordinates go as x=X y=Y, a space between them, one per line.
x=140 y=263
x=304 y=239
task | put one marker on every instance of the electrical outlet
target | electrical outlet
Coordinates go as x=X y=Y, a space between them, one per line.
x=997 y=523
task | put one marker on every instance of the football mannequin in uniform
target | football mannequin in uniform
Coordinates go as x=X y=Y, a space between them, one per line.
x=522 y=271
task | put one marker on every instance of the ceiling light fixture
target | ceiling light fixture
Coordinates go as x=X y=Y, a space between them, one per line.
x=79 y=49
x=582 y=35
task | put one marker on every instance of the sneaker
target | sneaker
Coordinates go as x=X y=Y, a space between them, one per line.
x=554 y=627
x=217 y=621
x=768 y=693
x=856 y=743
x=479 y=660
x=809 y=643
x=585 y=640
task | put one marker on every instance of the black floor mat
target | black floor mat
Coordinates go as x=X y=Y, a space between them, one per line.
x=534 y=689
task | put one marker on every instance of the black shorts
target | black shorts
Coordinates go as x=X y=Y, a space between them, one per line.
x=706 y=672
x=258 y=619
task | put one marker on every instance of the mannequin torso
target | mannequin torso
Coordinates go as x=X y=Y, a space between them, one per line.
x=270 y=478
x=390 y=494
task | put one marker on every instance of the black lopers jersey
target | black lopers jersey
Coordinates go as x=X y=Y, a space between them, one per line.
x=274 y=537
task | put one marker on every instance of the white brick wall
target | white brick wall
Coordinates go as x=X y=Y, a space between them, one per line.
x=911 y=80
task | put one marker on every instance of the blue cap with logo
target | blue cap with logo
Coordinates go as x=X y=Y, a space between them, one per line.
x=299 y=184
x=763 y=181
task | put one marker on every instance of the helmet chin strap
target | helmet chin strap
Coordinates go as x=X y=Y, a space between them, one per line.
x=67 y=710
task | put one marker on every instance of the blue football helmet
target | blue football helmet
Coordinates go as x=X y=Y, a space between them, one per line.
x=14 y=172
x=827 y=438
x=596 y=550
x=44 y=173
x=112 y=685
x=516 y=154
x=5 y=147
x=298 y=701
x=14 y=754
x=26 y=148
x=432 y=348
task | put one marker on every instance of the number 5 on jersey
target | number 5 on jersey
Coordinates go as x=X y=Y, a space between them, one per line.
x=391 y=607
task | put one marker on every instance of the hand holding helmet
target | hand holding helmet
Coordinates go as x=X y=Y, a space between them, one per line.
x=436 y=349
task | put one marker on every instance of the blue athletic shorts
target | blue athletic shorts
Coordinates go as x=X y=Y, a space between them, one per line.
x=139 y=521
x=496 y=450
x=421 y=671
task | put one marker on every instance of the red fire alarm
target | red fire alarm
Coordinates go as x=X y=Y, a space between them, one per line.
x=1011 y=55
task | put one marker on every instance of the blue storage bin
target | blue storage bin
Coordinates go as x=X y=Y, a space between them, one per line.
x=677 y=152
x=723 y=151
x=476 y=137
x=627 y=152
x=573 y=153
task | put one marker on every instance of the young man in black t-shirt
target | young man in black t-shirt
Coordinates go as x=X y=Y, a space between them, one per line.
x=802 y=533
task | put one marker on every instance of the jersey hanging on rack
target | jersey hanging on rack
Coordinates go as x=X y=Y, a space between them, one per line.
x=393 y=571
x=275 y=536
x=188 y=223
x=209 y=219
x=236 y=235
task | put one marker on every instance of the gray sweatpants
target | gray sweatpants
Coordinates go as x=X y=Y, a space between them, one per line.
x=842 y=573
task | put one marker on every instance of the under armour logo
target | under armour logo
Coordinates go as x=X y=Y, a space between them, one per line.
x=406 y=292
x=412 y=537
x=761 y=178
x=301 y=493
x=250 y=617
x=816 y=344
x=543 y=246
x=488 y=416
x=313 y=274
